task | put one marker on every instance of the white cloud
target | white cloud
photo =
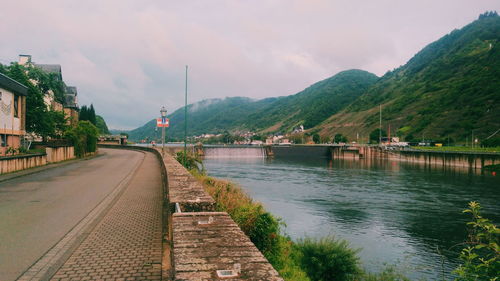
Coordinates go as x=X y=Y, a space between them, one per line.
x=128 y=57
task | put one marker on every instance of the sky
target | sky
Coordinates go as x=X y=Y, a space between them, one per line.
x=128 y=57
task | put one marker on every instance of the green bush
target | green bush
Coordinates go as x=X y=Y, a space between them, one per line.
x=480 y=259
x=328 y=258
x=491 y=142
x=190 y=161
x=84 y=138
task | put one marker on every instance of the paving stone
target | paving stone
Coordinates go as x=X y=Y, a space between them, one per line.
x=128 y=237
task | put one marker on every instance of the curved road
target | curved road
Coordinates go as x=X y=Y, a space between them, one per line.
x=37 y=210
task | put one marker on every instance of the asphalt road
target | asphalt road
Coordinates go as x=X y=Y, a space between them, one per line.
x=37 y=210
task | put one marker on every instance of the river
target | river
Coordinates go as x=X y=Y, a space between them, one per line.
x=398 y=213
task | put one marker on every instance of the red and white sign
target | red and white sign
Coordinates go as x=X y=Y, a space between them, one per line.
x=160 y=124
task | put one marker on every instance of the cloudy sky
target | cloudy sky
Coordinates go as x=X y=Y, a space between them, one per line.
x=128 y=57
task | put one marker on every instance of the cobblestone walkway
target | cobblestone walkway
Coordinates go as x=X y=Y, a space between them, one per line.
x=127 y=243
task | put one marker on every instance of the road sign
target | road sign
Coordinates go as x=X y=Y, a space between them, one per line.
x=159 y=122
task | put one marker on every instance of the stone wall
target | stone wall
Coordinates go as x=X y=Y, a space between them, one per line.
x=207 y=244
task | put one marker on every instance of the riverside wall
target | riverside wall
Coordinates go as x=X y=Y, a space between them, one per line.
x=200 y=243
x=474 y=161
x=208 y=245
x=22 y=162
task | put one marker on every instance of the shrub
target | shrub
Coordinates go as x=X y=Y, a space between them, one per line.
x=328 y=258
x=260 y=226
x=84 y=137
x=480 y=259
x=190 y=161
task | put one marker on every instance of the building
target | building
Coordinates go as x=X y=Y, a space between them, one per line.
x=70 y=103
x=12 y=113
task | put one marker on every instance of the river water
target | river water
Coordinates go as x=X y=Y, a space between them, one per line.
x=398 y=213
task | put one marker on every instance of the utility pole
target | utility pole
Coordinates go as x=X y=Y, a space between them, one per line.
x=163 y=112
x=185 y=115
x=380 y=126
x=472 y=140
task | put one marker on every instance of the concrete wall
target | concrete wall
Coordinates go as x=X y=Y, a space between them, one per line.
x=428 y=158
x=16 y=163
x=62 y=153
x=22 y=162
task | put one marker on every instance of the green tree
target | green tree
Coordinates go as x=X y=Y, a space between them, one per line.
x=38 y=119
x=87 y=113
x=374 y=135
x=84 y=137
x=92 y=117
x=316 y=138
x=59 y=124
x=338 y=138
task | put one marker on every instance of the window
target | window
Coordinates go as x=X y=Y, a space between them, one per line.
x=3 y=140
x=16 y=106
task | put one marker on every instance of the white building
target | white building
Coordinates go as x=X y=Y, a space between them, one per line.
x=12 y=113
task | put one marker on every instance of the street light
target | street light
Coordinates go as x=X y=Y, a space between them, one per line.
x=163 y=112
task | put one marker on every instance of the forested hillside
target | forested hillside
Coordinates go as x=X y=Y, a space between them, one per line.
x=308 y=108
x=448 y=89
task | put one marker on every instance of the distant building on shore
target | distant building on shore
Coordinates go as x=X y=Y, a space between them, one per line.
x=12 y=113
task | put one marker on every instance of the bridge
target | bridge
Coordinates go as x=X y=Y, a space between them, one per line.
x=126 y=214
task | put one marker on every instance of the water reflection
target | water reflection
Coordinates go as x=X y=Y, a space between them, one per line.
x=397 y=212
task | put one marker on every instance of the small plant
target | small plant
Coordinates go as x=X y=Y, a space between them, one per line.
x=190 y=161
x=328 y=258
x=22 y=150
x=10 y=150
x=480 y=259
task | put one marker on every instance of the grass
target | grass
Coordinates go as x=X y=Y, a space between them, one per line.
x=458 y=149
x=259 y=225
x=295 y=261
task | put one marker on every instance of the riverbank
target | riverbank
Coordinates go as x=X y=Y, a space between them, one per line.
x=398 y=212
x=290 y=258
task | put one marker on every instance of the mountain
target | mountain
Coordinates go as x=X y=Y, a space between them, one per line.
x=207 y=116
x=314 y=104
x=308 y=107
x=449 y=88
x=101 y=125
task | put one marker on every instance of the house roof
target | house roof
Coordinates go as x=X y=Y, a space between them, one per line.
x=71 y=90
x=12 y=85
x=49 y=68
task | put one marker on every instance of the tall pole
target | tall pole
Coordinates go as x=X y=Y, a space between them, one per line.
x=163 y=112
x=380 y=126
x=185 y=115
x=472 y=139
x=163 y=140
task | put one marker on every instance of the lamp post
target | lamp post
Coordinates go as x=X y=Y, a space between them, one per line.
x=163 y=112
